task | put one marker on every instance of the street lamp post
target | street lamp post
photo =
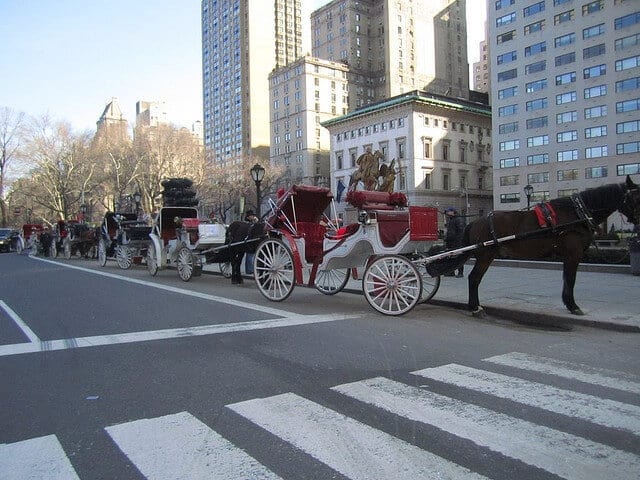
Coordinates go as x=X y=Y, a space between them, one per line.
x=83 y=211
x=257 y=173
x=137 y=197
x=528 y=190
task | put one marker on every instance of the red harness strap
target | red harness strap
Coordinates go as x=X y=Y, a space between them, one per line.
x=546 y=215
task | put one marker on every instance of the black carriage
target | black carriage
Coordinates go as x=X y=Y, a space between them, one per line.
x=124 y=238
x=73 y=238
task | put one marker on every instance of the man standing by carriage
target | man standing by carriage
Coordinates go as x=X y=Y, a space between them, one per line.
x=454 y=237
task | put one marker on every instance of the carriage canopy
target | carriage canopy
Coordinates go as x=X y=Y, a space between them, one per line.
x=301 y=203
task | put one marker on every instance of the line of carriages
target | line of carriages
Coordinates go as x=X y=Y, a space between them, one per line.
x=298 y=244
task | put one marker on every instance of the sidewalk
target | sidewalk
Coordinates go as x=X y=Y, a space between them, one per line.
x=530 y=292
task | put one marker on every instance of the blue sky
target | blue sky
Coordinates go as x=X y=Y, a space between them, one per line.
x=68 y=58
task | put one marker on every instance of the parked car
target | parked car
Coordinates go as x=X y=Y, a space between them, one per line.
x=9 y=238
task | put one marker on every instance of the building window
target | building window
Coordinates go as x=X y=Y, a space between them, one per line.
x=506 y=37
x=592 y=7
x=568 y=136
x=628 y=127
x=628 y=84
x=595 y=172
x=629 y=147
x=508 y=128
x=427 y=181
x=593 y=51
x=565 y=40
x=445 y=150
x=628 y=169
x=595 y=71
x=507 y=110
x=593 y=132
x=595 y=112
x=446 y=181
x=563 y=17
x=507 y=57
x=628 y=105
x=596 y=152
x=510 y=162
x=507 y=75
x=565 y=59
x=510 y=198
x=538 y=141
x=339 y=161
x=566 y=98
x=627 y=20
x=538 y=159
x=565 y=78
x=534 y=27
x=567 y=155
x=565 y=175
x=537 y=122
x=533 y=9
x=504 y=3
x=536 y=104
x=542 y=177
x=594 y=31
x=509 y=145
x=506 y=19
x=535 y=49
x=427 y=144
x=536 y=85
x=627 y=63
x=566 y=117
x=597 y=91
x=535 y=67
x=627 y=42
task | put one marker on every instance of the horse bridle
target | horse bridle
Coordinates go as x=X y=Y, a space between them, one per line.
x=628 y=202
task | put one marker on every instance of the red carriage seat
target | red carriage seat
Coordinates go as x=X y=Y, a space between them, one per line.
x=313 y=234
x=374 y=200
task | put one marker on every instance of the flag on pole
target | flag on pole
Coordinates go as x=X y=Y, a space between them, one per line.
x=340 y=189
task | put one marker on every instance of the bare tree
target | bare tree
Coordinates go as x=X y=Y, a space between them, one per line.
x=60 y=166
x=11 y=129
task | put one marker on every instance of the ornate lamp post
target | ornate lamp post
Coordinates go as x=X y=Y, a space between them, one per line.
x=136 y=198
x=83 y=211
x=528 y=190
x=257 y=173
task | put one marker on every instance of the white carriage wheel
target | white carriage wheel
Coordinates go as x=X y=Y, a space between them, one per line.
x=186 y=264
x=124 y=257
x=67 y=249
x=225 y=269
x=19 y=246
x=152 y=260
x=430 y=286
x=332 y=281
x=102 y=253
x=273 y=270
x=53 y=250
x=392 y=284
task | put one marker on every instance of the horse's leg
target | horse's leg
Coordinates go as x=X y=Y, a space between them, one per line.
x=569 y=270
x=236 y=276
x=481 y=266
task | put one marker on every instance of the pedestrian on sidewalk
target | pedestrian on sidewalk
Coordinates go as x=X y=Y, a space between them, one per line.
x=248 y=259
x=454 y=237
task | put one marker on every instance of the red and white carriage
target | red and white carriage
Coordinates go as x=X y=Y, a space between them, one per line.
x=386 y=240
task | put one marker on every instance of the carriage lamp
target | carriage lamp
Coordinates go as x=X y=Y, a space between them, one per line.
x=528 y=190
x=257 y=173
x=136 y=198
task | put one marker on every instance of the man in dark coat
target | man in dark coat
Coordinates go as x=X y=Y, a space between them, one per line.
x=454 y=236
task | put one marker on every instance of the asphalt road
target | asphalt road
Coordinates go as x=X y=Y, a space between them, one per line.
x=115 y=374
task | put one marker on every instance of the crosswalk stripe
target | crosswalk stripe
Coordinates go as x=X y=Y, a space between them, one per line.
x=575 y=371
x=608 y=413
x=36 y=458
x=180 y=446
x=560 y=453
x=352 y=448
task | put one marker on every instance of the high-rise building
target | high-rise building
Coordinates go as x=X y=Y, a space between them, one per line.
x=395 y=46
x=242 y=42
x=304 y=94
x=111 y=124
x=565 y=91
x=482 y=70
x=150 y=114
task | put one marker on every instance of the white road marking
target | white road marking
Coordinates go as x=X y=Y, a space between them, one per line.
x=19 y=322
x=573 y=371
x=560 y=453
x=132 y=337
x=608 y=413
x=181 y=291
x=180 y=447
x=354 y=449
x=35 y=459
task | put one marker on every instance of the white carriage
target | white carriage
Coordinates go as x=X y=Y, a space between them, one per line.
x=181 y=239
x=386 y=240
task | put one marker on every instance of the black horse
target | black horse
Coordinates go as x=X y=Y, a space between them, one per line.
x=242 y=237
x=577 y=219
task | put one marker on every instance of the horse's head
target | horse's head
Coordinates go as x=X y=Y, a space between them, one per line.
x=631 y=202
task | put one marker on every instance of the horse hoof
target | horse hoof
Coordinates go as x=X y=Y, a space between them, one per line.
x=577 y=311
x=478 y=312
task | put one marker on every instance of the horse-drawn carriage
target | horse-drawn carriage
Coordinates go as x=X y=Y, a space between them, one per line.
x=300 y=250
x=124 y=238
x=72 y=238
x=31 y=243
x=180 y=238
